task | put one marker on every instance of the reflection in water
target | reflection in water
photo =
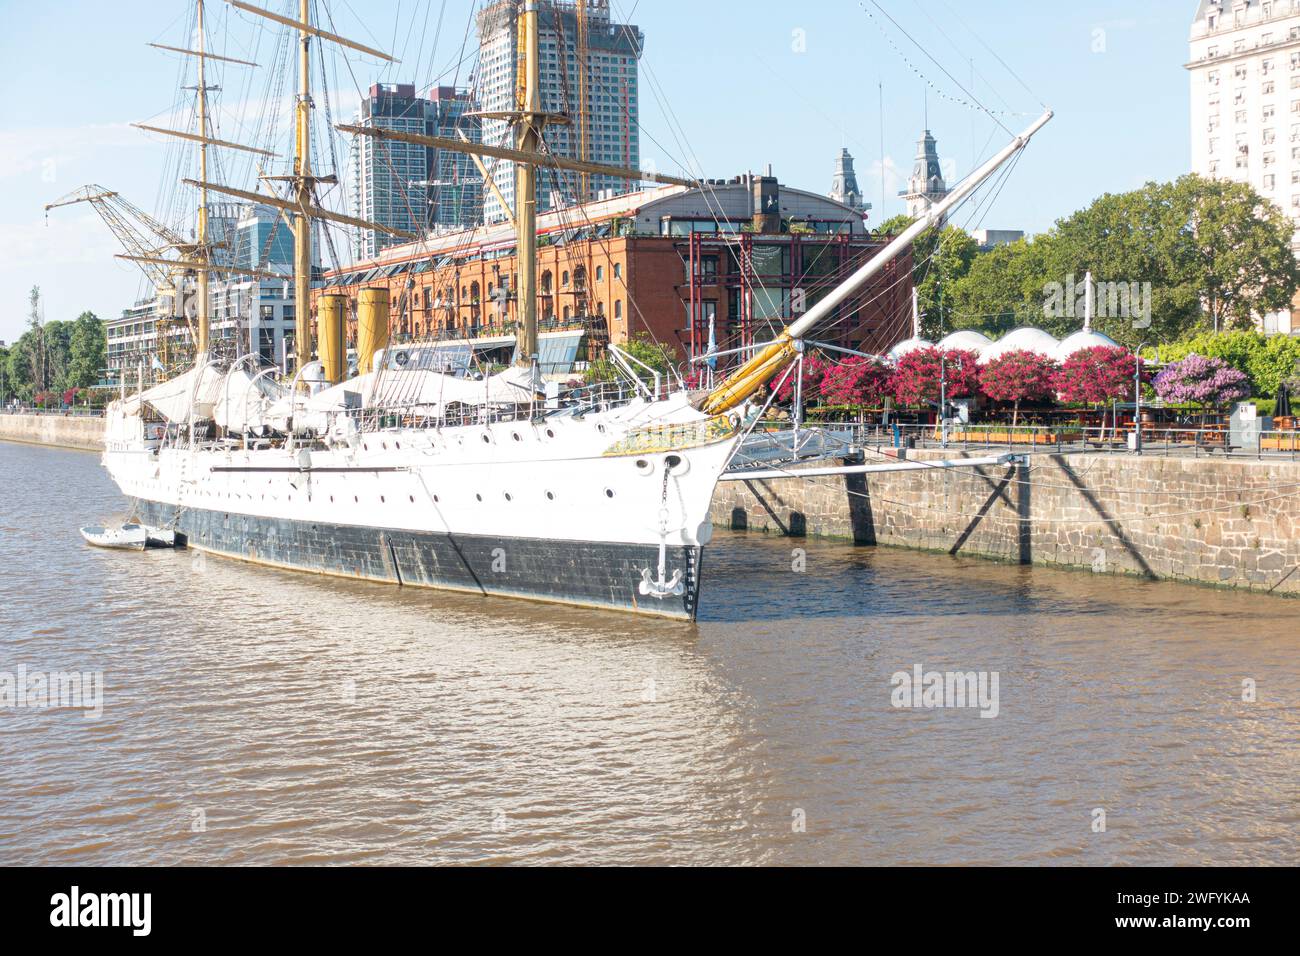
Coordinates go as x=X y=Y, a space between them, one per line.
x=256 y=716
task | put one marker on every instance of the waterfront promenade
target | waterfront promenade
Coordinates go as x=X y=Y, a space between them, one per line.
x=62 y=429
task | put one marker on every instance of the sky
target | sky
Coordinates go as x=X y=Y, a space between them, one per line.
x=726 y=86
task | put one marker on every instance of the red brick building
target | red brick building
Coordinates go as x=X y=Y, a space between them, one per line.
x=744 y=256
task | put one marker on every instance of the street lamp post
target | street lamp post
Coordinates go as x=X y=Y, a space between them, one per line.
x=1137 y=398
x=943 y=400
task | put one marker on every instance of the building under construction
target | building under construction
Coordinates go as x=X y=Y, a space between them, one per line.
x=721 y=266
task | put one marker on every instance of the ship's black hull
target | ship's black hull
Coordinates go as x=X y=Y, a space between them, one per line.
x=585 y=573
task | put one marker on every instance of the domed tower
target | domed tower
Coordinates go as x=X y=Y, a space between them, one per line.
x=926 y=186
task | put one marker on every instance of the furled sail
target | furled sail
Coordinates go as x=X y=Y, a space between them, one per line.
x=199 y=389
x=245 y=400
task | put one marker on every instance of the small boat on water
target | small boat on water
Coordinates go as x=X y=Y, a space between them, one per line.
x=131 y=537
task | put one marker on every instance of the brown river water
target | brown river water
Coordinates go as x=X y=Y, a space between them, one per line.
x=251 y=716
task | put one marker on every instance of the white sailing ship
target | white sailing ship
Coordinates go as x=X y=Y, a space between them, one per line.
x=414 y=475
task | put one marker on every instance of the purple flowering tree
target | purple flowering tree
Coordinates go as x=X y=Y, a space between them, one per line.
x=1198 y=380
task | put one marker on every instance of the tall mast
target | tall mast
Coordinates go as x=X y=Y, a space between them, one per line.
x=303 y=191
x=530 y=118
x=204 y=253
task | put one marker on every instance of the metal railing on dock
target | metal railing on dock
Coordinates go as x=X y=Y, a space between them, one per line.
x=772 y=438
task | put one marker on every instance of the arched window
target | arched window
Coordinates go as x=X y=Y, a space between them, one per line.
x=618 y=308
x=546 y=282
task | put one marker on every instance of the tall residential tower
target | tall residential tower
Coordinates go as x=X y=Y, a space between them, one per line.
x=589 y=72
x=409 y=187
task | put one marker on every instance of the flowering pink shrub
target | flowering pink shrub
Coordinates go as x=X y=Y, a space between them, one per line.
x=917 y=375
x=1018 y=376
x=1099 y=374
x=855 y=381
x=1202 y=381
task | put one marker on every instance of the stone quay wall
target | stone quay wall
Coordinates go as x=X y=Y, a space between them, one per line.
x=66 y=431
x=1224 y=522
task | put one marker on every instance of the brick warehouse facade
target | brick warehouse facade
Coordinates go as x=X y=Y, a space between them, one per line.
x=664 y=263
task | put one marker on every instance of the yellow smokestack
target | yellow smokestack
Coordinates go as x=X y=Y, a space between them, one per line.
x=372 y=326
x=331 y=316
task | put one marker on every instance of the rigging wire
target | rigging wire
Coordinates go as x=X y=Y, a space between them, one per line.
x=971 y=101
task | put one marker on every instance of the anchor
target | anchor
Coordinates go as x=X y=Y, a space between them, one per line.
x=664 y=587
x=673 y=587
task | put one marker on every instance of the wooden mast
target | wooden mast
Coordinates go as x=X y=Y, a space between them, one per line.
x=529 y=138
x=203 y=329
x=302 y=207
x=302 y=194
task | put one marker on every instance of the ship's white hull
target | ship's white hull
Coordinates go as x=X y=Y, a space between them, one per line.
x=567 y=509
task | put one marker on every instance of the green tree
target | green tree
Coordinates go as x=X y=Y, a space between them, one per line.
x=87 y=345
x=1215 y=255
x=658 y=356
x=1242 y=254
x=1004 y=289
x=21 y=362
x=6 y=385
x=58 y=354
x=940 y=257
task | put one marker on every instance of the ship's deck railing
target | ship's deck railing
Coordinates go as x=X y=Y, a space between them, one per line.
x=587 y=398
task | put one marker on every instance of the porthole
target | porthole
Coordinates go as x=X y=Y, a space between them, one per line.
x=478 y=497
x=550 y=496
x=487 y=439
x=384 y=445
x=397 y=445
x=550 y=433
x=381 y=500
x=508 y=498
x=601 y=429
x=644 y=466
x=677 y=465
x=515 y=436
x=365 y=447
x=355 y=499
x=435 y=499
x=412 y=497
x=609 y=492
